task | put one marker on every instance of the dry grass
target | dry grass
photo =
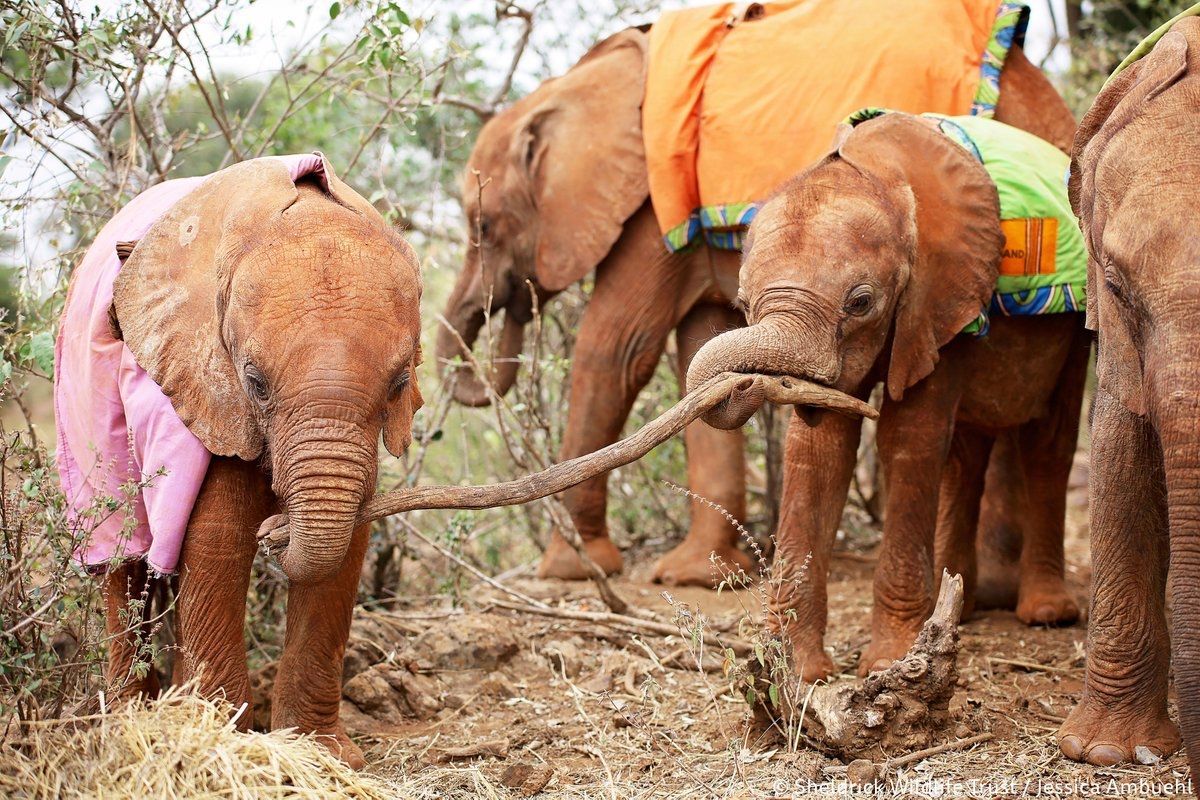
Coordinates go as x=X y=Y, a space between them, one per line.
x=179 y=746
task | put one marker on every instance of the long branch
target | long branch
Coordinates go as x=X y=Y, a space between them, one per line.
x=554 y=479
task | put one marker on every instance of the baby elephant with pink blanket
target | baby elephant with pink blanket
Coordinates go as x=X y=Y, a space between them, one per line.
x=232 y=348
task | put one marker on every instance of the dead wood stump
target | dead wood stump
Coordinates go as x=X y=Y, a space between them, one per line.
x=901 y=709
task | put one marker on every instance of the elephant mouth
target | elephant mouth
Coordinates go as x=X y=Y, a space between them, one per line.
x=810 y=399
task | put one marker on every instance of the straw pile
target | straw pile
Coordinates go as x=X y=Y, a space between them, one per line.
x=178 y=746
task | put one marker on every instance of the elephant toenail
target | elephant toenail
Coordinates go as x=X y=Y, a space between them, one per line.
x=1146 y=755
x=881 y=664
x=1072 y=747
x=1106 y=755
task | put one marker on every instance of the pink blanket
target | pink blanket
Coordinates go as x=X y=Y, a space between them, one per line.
x=118 y=436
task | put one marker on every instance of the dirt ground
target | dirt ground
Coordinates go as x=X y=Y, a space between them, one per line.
x=488 y=702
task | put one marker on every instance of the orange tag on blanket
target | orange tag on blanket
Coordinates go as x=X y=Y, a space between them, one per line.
x=1029 y=246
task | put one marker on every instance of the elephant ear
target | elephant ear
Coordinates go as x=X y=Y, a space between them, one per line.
x=954 y=216
x=581 y=150
x=1118 y=362
x=169 y=295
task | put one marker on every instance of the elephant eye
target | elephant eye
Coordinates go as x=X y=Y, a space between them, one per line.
x=859 y=301
x=256 y=385
x=399 y=383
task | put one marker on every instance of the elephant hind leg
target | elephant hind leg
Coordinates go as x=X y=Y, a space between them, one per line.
x=1000 y=534
x=958 y=509
x=128 y=590
x=1047 y=450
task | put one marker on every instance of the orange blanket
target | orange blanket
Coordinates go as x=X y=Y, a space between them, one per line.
x=738 y=102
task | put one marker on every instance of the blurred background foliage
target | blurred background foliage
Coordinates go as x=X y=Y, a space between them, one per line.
x=100 y=100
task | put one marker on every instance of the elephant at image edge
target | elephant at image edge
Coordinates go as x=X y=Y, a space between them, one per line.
x=863 y=269
x=1133 y=185
x=565 y=174
x=287 y=348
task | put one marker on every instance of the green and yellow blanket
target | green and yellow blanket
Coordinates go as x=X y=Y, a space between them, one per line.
x=1043 y=269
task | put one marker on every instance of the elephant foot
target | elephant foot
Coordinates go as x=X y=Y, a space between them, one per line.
x=996 y=585
x=338 y=743
x=1104 y=737
x=1046 y=601
x=561 y=561
x=691 y=564
x=813 y=664
x=883 y=651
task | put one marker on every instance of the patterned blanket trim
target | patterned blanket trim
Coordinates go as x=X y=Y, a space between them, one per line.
x=723 y=226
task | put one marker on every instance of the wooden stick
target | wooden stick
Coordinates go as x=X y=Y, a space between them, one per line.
x=661 y=628
x=959 y=744
x=274 y=532
x=1029 y=665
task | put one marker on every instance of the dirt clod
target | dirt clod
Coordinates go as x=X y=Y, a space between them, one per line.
x=387 y=693
x=470 y=641
x=860 y=772
x=526 y=780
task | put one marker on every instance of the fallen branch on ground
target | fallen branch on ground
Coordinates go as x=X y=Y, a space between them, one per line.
x=738 y=646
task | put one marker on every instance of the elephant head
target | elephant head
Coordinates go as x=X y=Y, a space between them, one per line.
x=546 y=192
x=1134 y=179
x=865 y=264
x=282 y=319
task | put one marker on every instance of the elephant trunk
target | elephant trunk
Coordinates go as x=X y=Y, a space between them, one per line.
x=322 y=490
x=769 y=348
x=469 y=389
x=1178 y=424
x=466 y=313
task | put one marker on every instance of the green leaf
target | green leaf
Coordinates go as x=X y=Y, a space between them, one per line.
x=40 y=351
x=773 y=694
x=334 y=10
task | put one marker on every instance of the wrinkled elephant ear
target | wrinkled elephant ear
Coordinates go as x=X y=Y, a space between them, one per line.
x=169 y=296
x=1119 y=367
x=954 y=214
x=582 y=151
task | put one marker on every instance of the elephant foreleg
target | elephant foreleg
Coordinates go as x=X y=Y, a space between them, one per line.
x=817 y=463
x=716 y=472
x=1124 y=702
x=214 y=576
x=914 y=442
x=308 y=685
x=1047 y=450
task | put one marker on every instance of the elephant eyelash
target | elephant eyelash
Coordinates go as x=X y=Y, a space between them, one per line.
x=858 y=303
x=256 y=385
x=401 y=381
